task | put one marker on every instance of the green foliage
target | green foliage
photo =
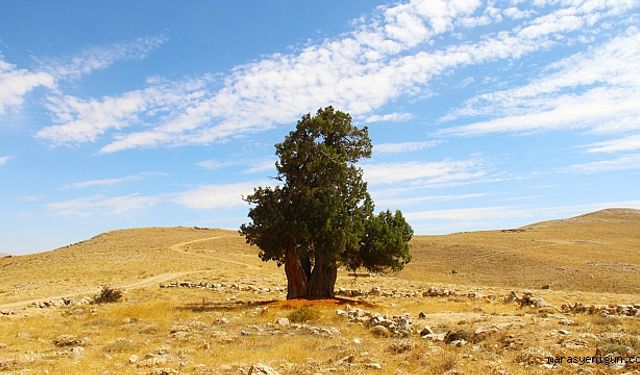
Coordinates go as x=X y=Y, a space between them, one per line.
x=303 y=314
x=320 y=206
x=108 y=295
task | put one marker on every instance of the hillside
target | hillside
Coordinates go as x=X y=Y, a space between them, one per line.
x=200 y=301
x=598 y=251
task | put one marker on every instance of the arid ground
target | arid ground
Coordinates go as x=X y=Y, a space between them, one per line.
x=200 y=301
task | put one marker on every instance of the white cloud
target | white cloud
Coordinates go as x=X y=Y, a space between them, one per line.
x=262 y=166
x=630 y=143
x=359 y=72
x=597 y=90
x=103 y=182
x=218 y=195
x=85 y=120
x=427 y=173
x=4 y=159
x=102 y=205
x=618 y=164
x=30 y=198
x=403 y=202
x=16 y=83
x=101 y=57
x=389 y=117
x=487 y=214
x=389 y=148
x=215 y=164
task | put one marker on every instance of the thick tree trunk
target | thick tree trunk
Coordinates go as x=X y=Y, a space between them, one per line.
x=323 y=279
x=297 y=283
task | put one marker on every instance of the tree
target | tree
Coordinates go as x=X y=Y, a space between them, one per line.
x=320 y=216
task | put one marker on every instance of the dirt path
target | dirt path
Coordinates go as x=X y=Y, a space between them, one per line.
x=126 y=286
x=152 y=280
x=180 y=248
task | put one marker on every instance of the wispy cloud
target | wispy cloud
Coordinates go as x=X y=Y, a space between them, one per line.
x=101 y=57
x=218 y=195
x=102 y=205
x=596 y=90
x=85 y=120
x=631 y=143
x=389 y=148
x=385 y=57
x=389 y=117
x=215 y=164
x=16 y=83
x=30 y=198
x=425 y=173
x=617 y=164
x=509 y=212
x=4 y=159
x=262 y=166
x=403 y=202
x=109 y=181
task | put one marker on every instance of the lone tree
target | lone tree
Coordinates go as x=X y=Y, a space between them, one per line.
x=320 y=215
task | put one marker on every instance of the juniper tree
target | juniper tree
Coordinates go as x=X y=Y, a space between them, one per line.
x=319 y=216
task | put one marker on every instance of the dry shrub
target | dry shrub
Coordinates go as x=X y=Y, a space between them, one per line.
x=108 y=295
x=303 y=314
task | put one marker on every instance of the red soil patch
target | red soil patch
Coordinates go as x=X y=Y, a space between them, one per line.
x=328 y=302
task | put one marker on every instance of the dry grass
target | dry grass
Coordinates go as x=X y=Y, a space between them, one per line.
x=208 y=332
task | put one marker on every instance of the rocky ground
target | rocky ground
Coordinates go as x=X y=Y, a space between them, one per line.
x=377 y=325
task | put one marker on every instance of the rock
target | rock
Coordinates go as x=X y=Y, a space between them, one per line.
x=282 y=322
x=422 y=315
x=221 y=321
x=77 y=351
x=567 y=322
x=401 y=346
x=262 y=369
x=457 y=335
x=380 y=330
x=426 y=331
x=342 y=361
x=67 y=340
x=533 y=356
x=373 y=365
x=564 y=332
x=356 y=341
x=133 y=359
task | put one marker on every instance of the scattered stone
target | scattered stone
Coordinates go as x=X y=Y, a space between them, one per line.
x=133 y=359
x=77 y=351
x=356 y=341
x=282 y=322
x=567 y=322
x=373 y=365
x=533 y=356
x=422 y=315
x=68 y=340
x=426 y=331
x=222 y=320
x=262 y=369
x=380 y=330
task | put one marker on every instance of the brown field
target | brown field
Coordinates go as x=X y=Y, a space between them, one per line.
x=592 y=259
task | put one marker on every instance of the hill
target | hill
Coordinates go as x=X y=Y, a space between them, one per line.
x=598 y=251
x=200 y=301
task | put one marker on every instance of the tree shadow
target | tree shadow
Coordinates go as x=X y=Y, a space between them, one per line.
x=206 y=306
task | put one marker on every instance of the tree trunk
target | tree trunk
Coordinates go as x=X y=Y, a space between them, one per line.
x=323 y=279
x=297 y=282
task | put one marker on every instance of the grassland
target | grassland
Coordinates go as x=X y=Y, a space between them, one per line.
x=593 y=258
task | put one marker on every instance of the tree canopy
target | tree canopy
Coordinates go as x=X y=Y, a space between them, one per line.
x=319 y=216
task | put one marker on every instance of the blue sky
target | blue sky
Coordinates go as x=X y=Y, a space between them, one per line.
x=483 y=115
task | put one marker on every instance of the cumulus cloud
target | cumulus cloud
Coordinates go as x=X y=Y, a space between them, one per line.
x=388 y=55
x=4 y=159
x=16 y=83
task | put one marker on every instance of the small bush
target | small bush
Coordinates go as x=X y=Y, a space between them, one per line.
x=108 y=295
x=303 y=314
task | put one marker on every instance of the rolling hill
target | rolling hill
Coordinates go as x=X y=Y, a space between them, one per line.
x=598 y=251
